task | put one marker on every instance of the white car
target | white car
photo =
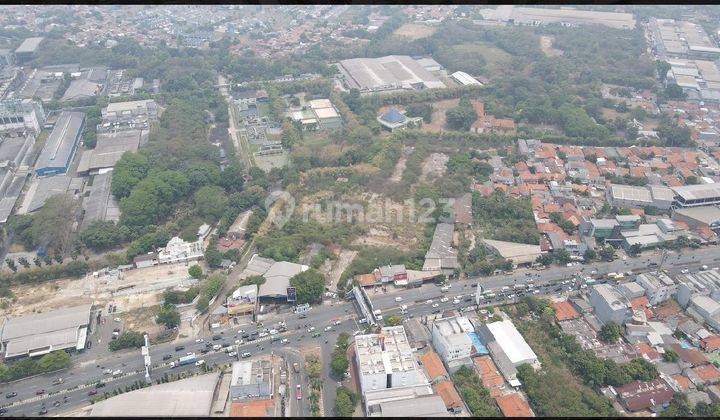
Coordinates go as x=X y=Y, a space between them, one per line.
x=263 y=334
x=443 y=300
x=398 y=299
x=284 y=341
x=429 y=301
x=200 y=362
x=483 y=311
x=684 y=271
x=338 y=322
x=704 y=267
x=456 y=301
x=328 y=328
x=241 y=331
x=217 y=347
x=239 y=342
x=199 y=340
x=232 y=354
x=273 y=332
x=311 y=329
x=117 y=320
x=536 y=291
x=435 y=305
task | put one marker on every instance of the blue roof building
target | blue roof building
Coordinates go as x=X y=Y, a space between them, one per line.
x=61 y=145
x=394 y=119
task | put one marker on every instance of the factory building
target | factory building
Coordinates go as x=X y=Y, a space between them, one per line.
x=61 y=145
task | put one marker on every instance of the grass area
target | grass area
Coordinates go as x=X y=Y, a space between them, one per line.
x=263 y=109
x=496 y=59
x=415 y=31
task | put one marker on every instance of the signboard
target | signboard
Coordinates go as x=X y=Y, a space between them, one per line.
x=291 y=294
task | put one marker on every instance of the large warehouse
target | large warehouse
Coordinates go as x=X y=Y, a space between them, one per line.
x=109 y=149
x=696 y=195
x=393 y=72
x=61 y=145
x=38 y=334
x=508 y=348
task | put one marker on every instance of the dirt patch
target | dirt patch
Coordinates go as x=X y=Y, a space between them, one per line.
x=437 y=124
x=415 y=31
x=546 y=43
x=434 y=165
x=343 y=261
x=141 y=319
x=400 y=166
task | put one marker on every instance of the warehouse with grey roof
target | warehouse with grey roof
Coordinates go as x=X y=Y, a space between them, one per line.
x=61 y=145
x=393 y=72
x=38 y=334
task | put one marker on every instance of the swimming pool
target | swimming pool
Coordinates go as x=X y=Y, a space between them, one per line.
x=479 y=347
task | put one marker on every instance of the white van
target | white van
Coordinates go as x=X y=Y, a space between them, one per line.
x=398 y=299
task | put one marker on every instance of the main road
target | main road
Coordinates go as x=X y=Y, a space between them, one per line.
x=79 y=379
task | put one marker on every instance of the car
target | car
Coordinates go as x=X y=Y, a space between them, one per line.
x=39 y=392
x=58 y=381
x=483 y=311
x=298 y=391
x=204 y=351
x=217 y=347
x=167 y=357
x=232 y=354
x=92 y=392
x=328 y=328
x=284 y=341
x=117 y=320
x=245 y=335
x=467 y=299
x=316 y=335
x=456 y=301
x=704 y=267
x=246 y=355
x=398 y=299
x=684 y=271
x=42 y=411
x=179 y=348
x=443 y=300
x=535 y=292
x=511 y=296
x=311 y=329
x=189 y=353
x=216 y=337
x=3 y=410
x=100 y=385
x=200 y=362
x=436 y=311
x=199 y=340
x=238 y=342
x=362 y=320
x=11 y=394
x=241 y=331
x=263 y=334
x=273 y=332
x=435 y=305
x=338 y=322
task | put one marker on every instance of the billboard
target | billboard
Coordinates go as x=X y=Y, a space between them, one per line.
x=291 y=294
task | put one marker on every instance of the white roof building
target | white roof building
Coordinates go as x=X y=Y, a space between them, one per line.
x=178 y=250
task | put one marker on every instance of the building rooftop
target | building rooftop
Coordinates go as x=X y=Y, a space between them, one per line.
x=639 y=395
x=433 y=366
x=388 y=351
x=708 y=215
x=564 y=310
x=277 y=278
x=513 y=405
x=513 y=250
x=61 y=142
x=446 y=390
x=610 y=295
x=512 y=343
x=698 y=192
x=186 y=397
x=110 y=148
x=45 y=332
x=29 y=45
x=629 y=192
x=390 y=72
x=425 y=406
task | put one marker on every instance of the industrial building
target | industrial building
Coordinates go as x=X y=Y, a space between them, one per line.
x=450 y=339
x=177 y=250
x=418 y=406
x=118 y=110
x=251 y=380
x=392 y=120
x=629 y=196
x=192 y=397
x=696 y=195
x=326 y=115
x=564 y=16
x=699 y=217
x=705 y=283
x=699 y=79
x=508 y=348
x=394 y=72
x=609 y=305
x=441 y=256
x=465 y=79
x=386 y=361
x=109 y=149
x=41 y=189
x=681 y=39
x=61 y=145
x=39 y=334
x=99 y=204
x=27 y=50
x=15 y=157
x=515 y=252
x=18 y=115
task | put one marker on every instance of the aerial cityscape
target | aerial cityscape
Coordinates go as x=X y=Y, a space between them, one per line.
x=360 y=210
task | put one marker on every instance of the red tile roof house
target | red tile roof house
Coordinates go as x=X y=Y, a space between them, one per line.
x=638 y=395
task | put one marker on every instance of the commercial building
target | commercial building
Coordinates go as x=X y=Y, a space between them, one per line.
x=177 y=250
x=465 y=79
x=629 y=196
x=699 y=217
x=38 y=334
x=515 y=252
x=28 y=49
x=243 y=300
x=704 y=283
x=441 y=256
x=277 y=275
x=704 y=308
x=658 y=286
x=394 y=72
x=609 y=305
x=508 y=348
x=61 y=145
x=386 y=361
x=20 y=115
x=251 y=380
x=564 y=16
x=450 y=339
x=696 y=195
x=192 y=397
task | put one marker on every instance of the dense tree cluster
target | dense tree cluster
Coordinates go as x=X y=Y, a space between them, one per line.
x=474 y=393
x=50 y=362
x=505 y=218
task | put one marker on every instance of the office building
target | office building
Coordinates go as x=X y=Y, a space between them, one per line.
x=609 y=305
x=450 y=339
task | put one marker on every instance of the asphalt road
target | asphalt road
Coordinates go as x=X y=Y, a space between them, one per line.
x=88 y=372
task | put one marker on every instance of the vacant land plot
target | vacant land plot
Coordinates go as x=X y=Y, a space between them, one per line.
x=495 y=60
x=546 y=43
x=434 y=165
x=415 y=31
x=400 y=165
